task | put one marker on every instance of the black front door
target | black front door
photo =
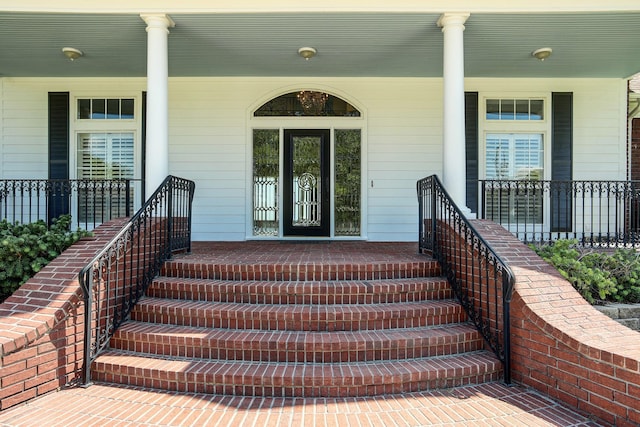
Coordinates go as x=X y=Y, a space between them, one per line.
x=306 y=182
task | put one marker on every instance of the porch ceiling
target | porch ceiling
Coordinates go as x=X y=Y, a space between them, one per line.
x=594 y=44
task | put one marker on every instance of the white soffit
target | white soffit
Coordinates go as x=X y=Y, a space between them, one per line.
x=350 y=44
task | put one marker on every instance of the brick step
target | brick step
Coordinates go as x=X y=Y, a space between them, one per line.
x=286 y=319
x=296 y=346
x=295 y=379
x=336 y=317
x=297 y=271
x=320 y=292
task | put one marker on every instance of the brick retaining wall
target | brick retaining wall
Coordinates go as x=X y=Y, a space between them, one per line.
x=41 y=325
x=561 y=345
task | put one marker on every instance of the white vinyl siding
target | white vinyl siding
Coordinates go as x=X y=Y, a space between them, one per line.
x=210 y=128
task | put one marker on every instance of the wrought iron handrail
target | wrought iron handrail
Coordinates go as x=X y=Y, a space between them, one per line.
x=595 y=213
x=93 y=201
x=115 y=279
x=481 y=280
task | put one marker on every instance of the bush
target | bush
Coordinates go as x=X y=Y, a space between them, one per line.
x=26 y=248
x=598 y=276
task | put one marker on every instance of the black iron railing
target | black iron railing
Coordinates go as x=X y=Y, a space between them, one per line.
x=117 y=277
x=596 y=213
x=481 y=281
x=90 y=202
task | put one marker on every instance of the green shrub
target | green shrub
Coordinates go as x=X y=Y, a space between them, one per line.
x=26 y=248
x=598 y=276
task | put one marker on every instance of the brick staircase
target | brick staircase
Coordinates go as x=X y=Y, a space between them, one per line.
x=308 y=320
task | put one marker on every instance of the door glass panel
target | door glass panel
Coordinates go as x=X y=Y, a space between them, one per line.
x=347 y=182
x=307 y=182
x=266 y=172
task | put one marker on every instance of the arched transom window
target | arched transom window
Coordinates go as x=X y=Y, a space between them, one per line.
x=307 y=103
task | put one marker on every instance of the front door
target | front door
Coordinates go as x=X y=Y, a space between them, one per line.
x=306 y=182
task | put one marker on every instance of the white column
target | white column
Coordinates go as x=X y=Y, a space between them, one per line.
x=157 y=152
x=454 y=161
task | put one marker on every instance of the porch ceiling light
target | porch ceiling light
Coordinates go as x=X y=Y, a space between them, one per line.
x=542 y=53
x=72 y=53
x=307 y=52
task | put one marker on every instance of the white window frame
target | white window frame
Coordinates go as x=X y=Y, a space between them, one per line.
x=132 y=126
x=542 y=127
x=488 y=127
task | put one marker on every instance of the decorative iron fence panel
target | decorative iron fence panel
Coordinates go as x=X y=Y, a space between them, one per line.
x=596 y=213
x=481 y=281
x=90 y=202
x=118 y=276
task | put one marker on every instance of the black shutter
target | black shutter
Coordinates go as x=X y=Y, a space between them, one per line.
x=561 y=160
x=58 y=153
x=471 y=148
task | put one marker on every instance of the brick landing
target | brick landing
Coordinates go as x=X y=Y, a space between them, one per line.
x=491 y=404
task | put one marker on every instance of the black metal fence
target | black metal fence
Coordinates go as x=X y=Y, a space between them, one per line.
x=90 y=202
x=596 y=213
x=481 y=281
x=118 y=276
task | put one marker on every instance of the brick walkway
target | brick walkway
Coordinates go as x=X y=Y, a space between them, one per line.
x=481 y=405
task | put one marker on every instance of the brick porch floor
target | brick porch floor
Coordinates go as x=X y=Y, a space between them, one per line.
x=304 y=252
x=491 y=404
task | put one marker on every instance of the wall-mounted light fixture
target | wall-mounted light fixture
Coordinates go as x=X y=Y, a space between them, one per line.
x=307 y=52
x=72 y=53
x=542 y=53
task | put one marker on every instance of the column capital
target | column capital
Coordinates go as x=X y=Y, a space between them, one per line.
x=451 y=19
x=158 y=20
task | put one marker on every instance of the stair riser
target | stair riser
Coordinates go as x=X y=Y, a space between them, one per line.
x=300 y=321
x=301 y=272
x=306 y=392
x=270 y=351
x=299 y=294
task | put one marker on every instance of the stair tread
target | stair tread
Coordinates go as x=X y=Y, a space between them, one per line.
x=343 y=269
x=297 y=379
x=381 y=371
x=330 y=317
x=301 y=292
x=244 y=307
x=338 y=340
x=296 y=346
x=191 y=332
x=366 y=284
